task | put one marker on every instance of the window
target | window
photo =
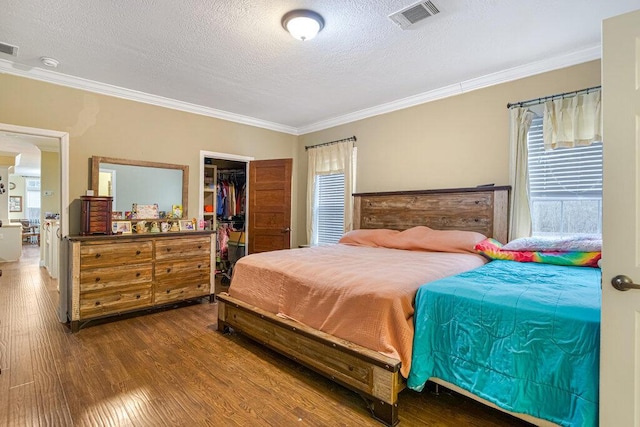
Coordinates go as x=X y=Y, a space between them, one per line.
x=329 y=208
x=331 y=181
x=33 y=205
x=565 y=187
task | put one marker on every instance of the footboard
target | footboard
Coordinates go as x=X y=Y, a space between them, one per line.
x=365 y=371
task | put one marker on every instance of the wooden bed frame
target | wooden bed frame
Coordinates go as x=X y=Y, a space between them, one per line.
x=369 y=373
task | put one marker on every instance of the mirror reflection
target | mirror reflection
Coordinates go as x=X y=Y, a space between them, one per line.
x=144 y=183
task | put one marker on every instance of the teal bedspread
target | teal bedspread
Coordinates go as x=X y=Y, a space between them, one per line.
x=524 y=336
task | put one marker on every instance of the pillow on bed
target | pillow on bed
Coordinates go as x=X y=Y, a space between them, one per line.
x=374 y=237
x=493 y=249
x=586 y=243
x=416 y=239
x=427 y=239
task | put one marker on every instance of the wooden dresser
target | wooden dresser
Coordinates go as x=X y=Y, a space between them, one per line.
x=111 y=275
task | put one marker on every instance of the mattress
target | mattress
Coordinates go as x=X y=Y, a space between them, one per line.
x=357 y=293
x=524 y=336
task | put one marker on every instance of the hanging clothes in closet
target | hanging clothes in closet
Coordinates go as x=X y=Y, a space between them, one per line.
x=230 y=193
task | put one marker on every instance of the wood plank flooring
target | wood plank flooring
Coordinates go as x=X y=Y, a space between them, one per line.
x=171 y=368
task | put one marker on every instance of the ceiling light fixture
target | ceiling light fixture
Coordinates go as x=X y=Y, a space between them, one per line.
x=302 y=24
x=49 y=62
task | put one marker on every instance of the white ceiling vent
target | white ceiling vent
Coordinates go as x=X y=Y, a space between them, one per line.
x=8 y=49
x=414 y=13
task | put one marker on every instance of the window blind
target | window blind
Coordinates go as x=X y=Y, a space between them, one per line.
x=330 y=208
x=564 y=172
x=33 y=199
x=565 y=187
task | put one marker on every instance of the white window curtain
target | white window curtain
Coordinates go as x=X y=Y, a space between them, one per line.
x=573 y=121
x=520 y=215
x=324 y=160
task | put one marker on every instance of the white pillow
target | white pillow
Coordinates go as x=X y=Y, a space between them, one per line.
x=578 y=243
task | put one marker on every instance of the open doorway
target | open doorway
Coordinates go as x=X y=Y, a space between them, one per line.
x=46 y=142
x=222 y=207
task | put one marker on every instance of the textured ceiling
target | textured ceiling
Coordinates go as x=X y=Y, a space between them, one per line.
x=235 y=57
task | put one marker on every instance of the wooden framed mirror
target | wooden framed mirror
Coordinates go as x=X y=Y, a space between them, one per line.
x=142 y=182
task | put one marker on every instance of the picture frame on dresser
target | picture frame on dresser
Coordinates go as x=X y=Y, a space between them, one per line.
x=121 y=227
x=186 y=225
x=146 y=211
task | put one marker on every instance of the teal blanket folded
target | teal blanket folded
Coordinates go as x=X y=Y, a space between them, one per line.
x=524 y=336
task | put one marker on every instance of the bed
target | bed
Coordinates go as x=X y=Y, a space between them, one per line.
x=523 y=336
x=375 y=373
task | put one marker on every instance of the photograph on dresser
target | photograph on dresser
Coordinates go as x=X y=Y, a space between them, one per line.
x=187 y=225
x=145 y=211
x=121 y=227
x=176 y=211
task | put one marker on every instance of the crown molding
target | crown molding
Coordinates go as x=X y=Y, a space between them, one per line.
x=492 y=79
x=10 y=67
x=504 y=76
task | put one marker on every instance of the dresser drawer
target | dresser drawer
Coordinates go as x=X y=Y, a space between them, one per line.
x=184 y=271
x=98 y=205
x=116 y=254
x=180 y=291
x=183 y=247
x=110 y=301
x=112 y=277
x=98 y=214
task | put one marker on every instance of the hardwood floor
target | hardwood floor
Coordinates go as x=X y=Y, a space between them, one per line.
x=171 y=368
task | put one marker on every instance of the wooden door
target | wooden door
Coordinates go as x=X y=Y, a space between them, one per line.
x=269 y=205
x=620 y=329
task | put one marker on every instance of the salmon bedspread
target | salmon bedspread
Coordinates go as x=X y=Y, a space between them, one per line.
x=358 y=293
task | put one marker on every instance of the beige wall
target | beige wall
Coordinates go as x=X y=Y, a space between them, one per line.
x=461 y=141
x=107 y=126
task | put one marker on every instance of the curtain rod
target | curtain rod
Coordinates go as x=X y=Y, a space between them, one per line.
x=353 y=138
x=550 y=97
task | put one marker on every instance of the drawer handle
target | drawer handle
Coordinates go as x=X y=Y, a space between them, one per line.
x=168 y=270
x=137 y=252
x=138 y=274
x=98 y=255
x=97 y=279
x=199 y=265
x=138 y=296
x=199 y=286
x=199 y=246
x=168 y=290
x=168 y=249
x=97 y=302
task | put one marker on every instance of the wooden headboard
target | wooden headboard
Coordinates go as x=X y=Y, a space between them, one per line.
x=481 y=209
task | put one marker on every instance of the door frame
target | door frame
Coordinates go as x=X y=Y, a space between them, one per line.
x=223 y=156
x=63 y=138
